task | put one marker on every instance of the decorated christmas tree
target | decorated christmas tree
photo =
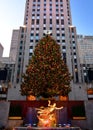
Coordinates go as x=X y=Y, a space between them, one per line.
x=46 y=75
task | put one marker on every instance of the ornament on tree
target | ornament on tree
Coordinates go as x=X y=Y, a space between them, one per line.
x=47 y=74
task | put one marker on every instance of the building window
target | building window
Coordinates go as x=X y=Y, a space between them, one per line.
x=44 y=28
x=58 y=34
x=22 y=36
x=76 y=74
x=50 y=28
x=37 y=37
x=20 y=53
x=75 y=60
x=74 y=47
x=62 y=21
x=58 y=41
x=31 y=47
x=57 y=28
x=44 y=10
x=20 y=47
x=50 y=14
x=31 y=50
x=56 y=4
x=38 y=14
x=63 y=34
x=33 y=10
x=73 y=37
x=63 y=47
x=21 y=42
x=22 y=30
x=37 y=21
x=57 y=10
x=44 y=14
x=34 y=5
x=44 y=21
x=33 y=21
x=19 y=60
x=44 y=5
x=74 y=53
x=33 y=14
x=31 y=34
x=38 y=5
x=50 y=5
x=36 y=40
x=31 y=37
x=38 y=10
x=50 y=21
x=37 y=28
x=30 y=54
x=61 y=10
x=31 y=40
x=61 y=5
x=57 y=15
x=64 y=55
x=57 y=21
x=50 y=10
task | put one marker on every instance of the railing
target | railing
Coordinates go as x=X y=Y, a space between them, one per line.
x=50 y=128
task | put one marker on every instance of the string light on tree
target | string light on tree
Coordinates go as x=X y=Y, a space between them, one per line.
x=47 y=74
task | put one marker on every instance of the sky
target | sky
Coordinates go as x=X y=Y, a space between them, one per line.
x=12 y=17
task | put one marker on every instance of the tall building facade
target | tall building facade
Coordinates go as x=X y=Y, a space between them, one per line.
x=14 y=44
x=1 y=50
x=85 y=51
x=53 y=16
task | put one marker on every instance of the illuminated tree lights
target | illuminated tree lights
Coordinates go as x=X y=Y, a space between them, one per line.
x=46 y=75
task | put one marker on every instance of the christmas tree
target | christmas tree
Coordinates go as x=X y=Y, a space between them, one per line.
x=46 y=75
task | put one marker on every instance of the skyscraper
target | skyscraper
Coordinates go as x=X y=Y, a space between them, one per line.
x=85 y=49
x=1 y=50
x=14 y=44
x=53 y=16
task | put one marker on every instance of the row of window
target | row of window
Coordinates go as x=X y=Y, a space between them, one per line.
x=63 y=29
x=38 y=5
x=46 y=0
x=31 y=49
x=36 y=40
x=38 y=10
x=44 y=21
x=45 y=5
x=38 y=14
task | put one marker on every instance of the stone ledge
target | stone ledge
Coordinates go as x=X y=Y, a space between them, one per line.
x=14 y=123
x=15 y=118
x=79 y=118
